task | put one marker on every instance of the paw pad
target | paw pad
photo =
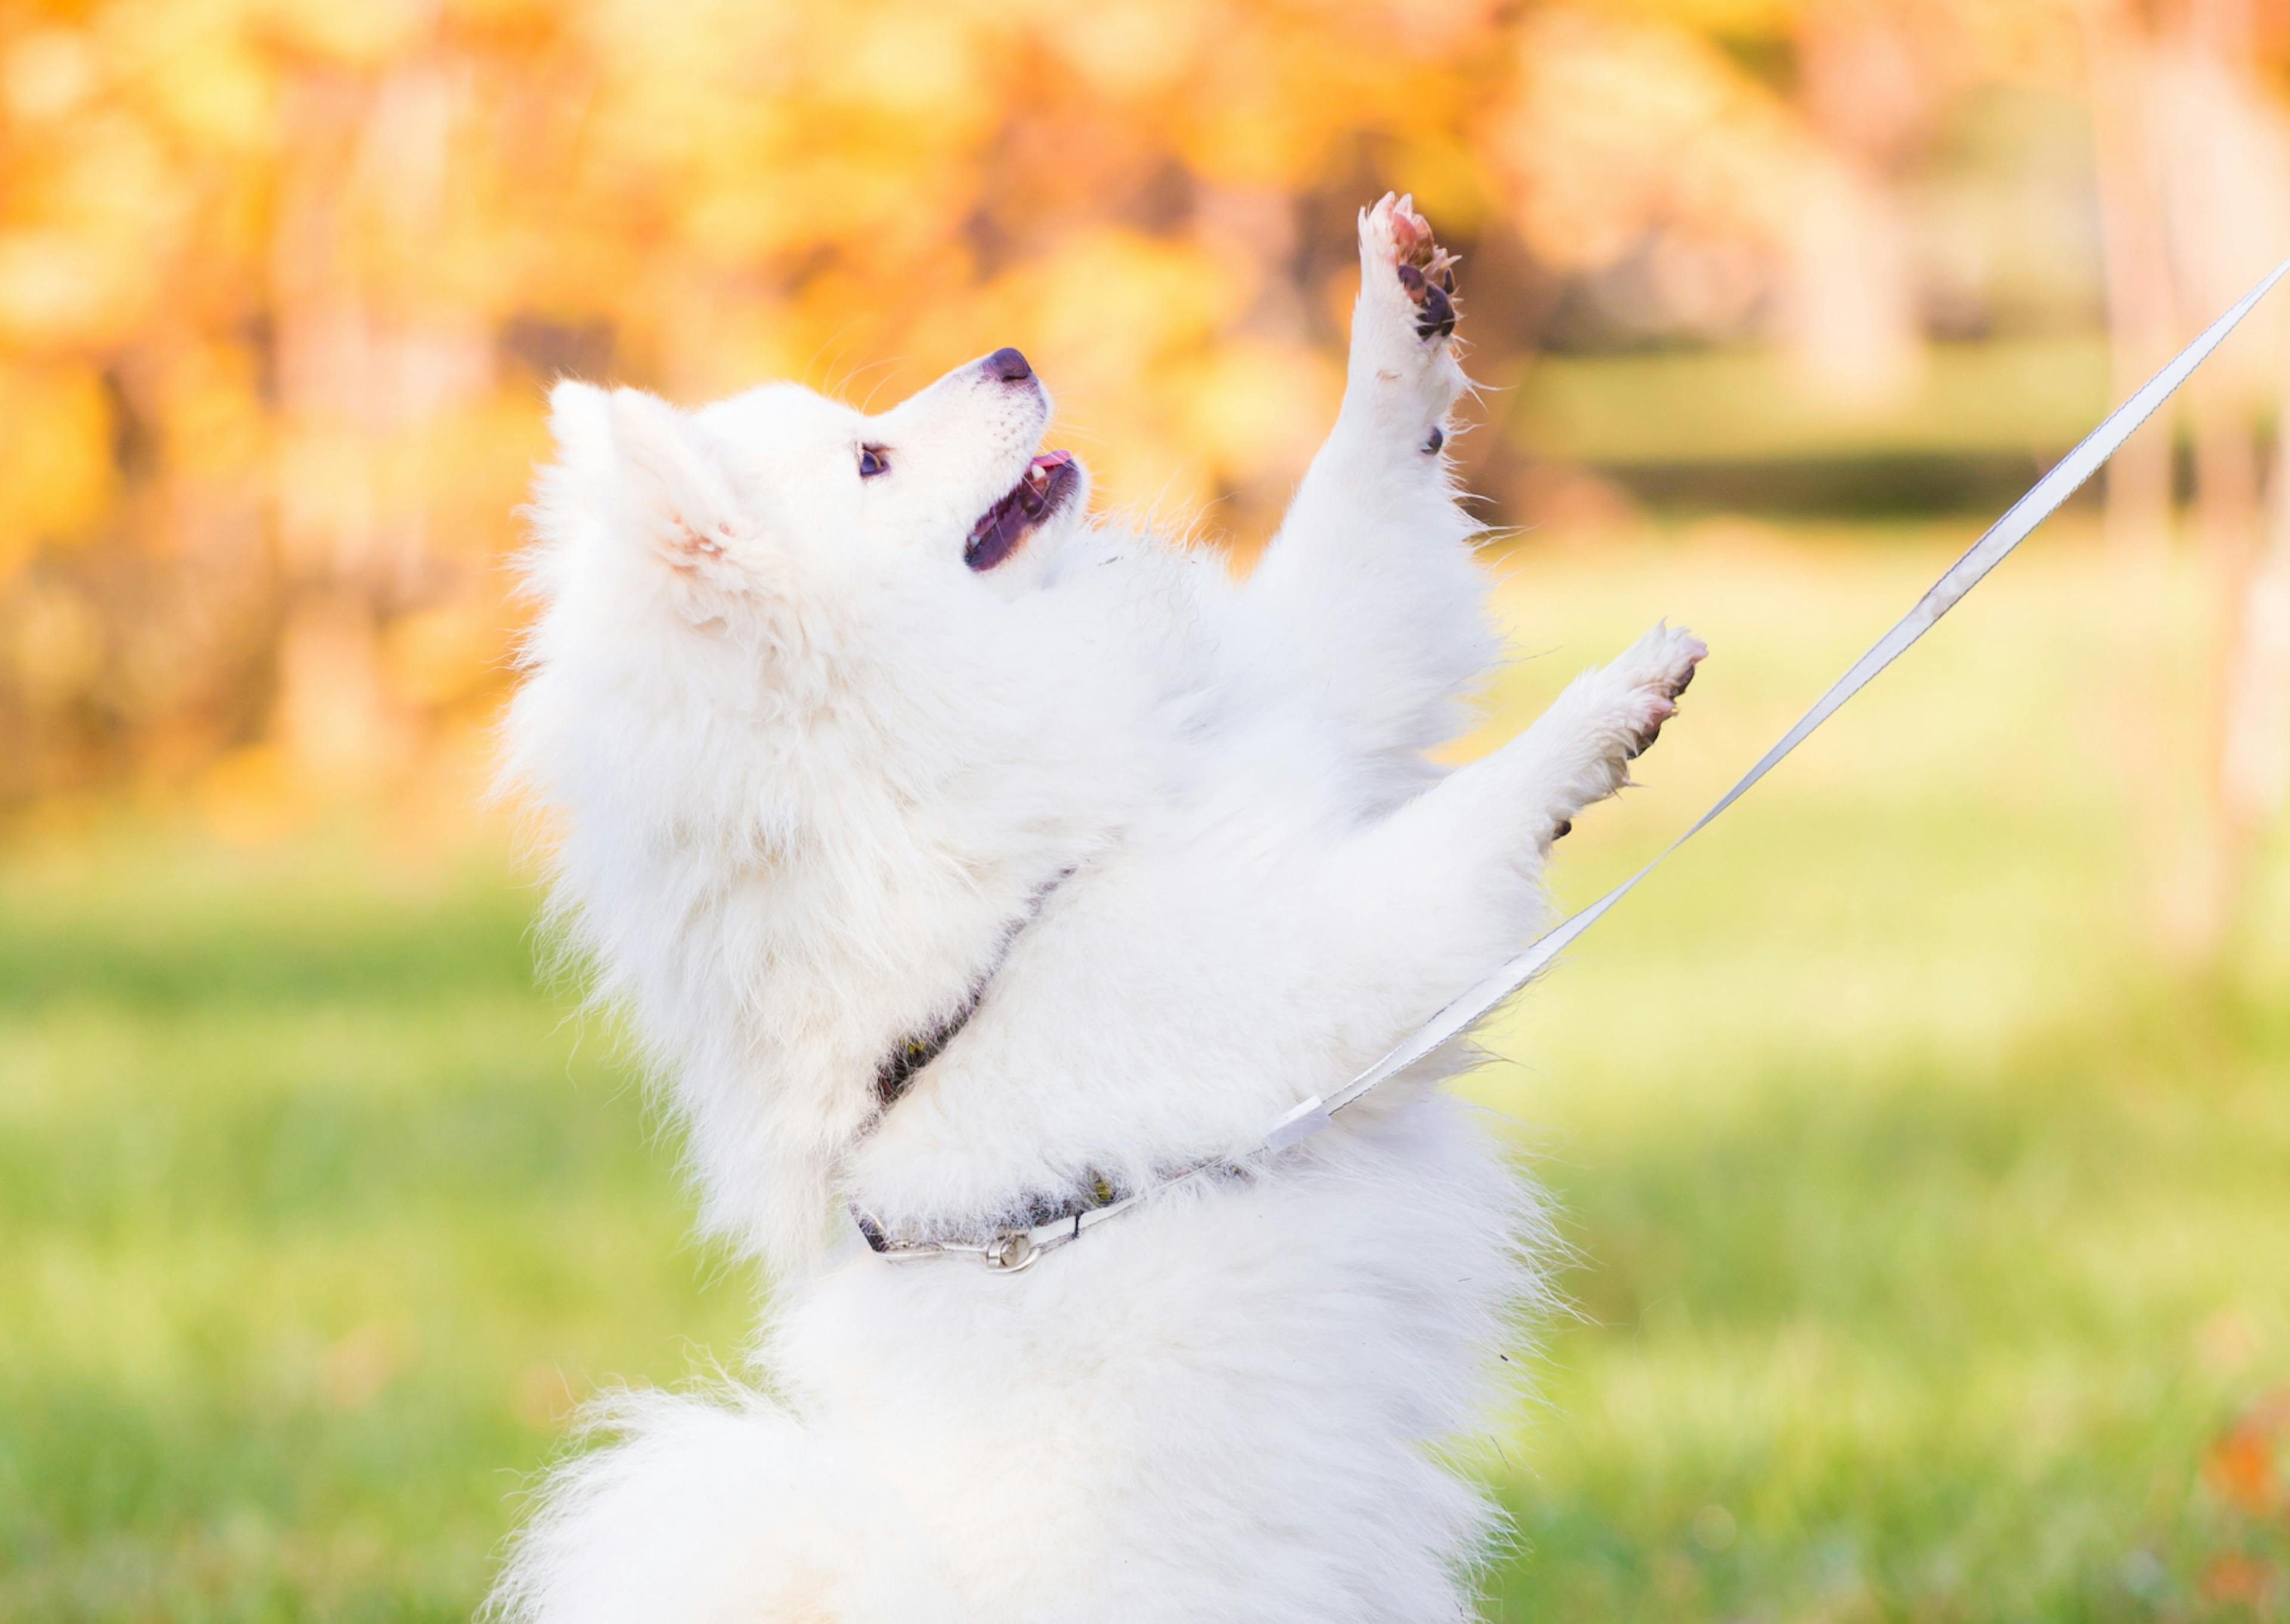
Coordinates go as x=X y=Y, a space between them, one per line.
x=1426 y=271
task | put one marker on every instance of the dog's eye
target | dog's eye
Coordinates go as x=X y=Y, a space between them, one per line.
x=871 y=461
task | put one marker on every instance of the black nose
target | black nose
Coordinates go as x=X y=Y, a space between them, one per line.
x=1008 y=365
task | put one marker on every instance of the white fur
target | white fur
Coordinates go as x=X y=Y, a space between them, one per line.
x=810 y=771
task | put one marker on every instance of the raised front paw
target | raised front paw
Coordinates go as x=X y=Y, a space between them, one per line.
x=1651 y=673
x=1404 y=366
x=1579 y=751
x=1397 y=243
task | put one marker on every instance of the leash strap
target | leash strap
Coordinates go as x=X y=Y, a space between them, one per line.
x=2065 y=477
x=1016 y=1250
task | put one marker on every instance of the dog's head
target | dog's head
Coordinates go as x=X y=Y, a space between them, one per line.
x=779 y=501
x=779 y=600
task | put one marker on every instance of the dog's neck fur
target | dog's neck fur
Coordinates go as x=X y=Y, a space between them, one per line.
x=792 y=861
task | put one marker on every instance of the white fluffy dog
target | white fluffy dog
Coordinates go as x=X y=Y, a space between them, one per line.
x=967 y=864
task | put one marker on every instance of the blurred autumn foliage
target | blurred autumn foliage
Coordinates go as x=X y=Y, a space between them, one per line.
x=281 y=284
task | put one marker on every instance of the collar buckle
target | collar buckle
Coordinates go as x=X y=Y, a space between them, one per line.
x=1011 y=1252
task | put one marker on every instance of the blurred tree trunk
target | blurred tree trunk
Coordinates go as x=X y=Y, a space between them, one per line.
x=363 y=367
x=1850 y=284
x=2230 y=167
x=2195 y=190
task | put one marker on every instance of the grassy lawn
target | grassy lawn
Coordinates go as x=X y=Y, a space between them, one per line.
x=1930 y=1245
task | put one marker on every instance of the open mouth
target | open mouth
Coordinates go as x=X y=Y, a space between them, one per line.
x=1050 y=482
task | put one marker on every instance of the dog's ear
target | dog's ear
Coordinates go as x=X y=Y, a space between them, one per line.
x=653 y=470
x=578 y=422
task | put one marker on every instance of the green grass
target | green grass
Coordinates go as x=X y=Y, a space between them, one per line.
x=1928 y=1239
x=315 y=1210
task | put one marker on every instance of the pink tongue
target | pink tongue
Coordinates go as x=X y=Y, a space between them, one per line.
x=1052 y=459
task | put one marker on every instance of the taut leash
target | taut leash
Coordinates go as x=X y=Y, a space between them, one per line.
x=1015 y=1249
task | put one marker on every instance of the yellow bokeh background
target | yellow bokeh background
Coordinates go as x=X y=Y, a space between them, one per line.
x=282 y=284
